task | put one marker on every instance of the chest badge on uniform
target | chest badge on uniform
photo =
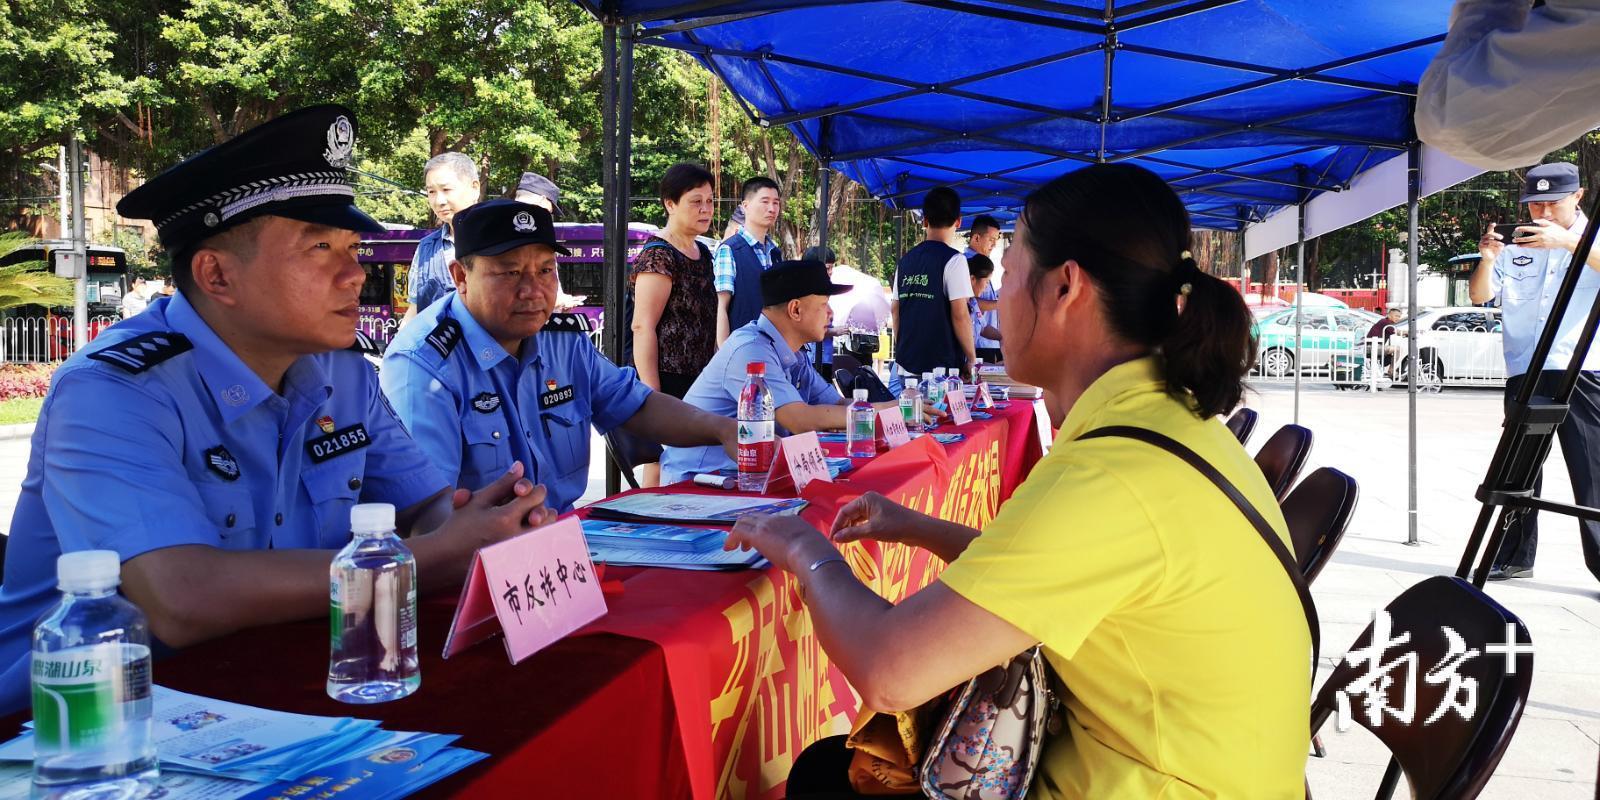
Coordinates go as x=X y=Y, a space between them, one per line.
x=1522 y=261
x=486 y=403
x=555 y=396
x=325 y=423
x=338 y=442
x=222 y=462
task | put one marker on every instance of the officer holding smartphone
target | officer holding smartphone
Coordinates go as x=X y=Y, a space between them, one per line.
x=1525 y=275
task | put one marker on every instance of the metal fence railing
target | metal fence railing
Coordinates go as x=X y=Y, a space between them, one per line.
x=42 y=339
x=1446 y=358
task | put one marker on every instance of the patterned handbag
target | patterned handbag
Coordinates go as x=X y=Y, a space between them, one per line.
x=988 y=746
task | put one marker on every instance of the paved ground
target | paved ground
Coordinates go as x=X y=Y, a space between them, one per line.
x=1553 y=756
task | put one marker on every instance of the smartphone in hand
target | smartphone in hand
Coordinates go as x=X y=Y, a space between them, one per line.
x=1508 y=230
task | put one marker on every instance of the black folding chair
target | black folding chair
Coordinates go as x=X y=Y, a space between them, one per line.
x=627 y=451
x=1283 y=456
x=1243 y=423
x=1449 y=753
x=1318 y=511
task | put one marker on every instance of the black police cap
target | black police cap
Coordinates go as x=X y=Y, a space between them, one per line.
x=792 y=280
x=495 y=226
x=1547 y=182
x=294 y=166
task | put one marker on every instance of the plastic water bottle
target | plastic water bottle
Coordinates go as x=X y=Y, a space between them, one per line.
x=933 y=388
x=861 y=433
x=372 y=592
x=92 y=706
x=911 y=407
x=952 y=382
x=757 y=430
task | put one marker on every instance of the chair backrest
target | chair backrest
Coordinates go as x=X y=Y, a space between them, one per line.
x=1443 y=752
x=1318 y=511
x=845 y=361
x=628 y=451
x=1282 y=457
x=844 y=378
x=876 y=392
x=1243 y=423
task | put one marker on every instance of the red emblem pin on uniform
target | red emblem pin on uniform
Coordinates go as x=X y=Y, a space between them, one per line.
x=550 y=386
x=326 y=424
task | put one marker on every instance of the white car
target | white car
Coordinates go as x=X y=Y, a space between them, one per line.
x=1458 y=345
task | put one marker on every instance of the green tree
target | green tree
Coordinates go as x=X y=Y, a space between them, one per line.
x=29 y=282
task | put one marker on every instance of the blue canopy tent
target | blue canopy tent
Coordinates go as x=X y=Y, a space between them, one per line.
x=1248 y=108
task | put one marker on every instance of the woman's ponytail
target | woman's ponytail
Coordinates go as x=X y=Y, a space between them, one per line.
x=1128 y=229
x=1212 y=346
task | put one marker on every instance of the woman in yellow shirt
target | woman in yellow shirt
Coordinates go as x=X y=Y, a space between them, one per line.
x=1179 y=637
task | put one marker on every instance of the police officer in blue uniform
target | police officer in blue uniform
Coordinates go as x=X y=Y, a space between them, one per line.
x=217 y=441
x=491 y=376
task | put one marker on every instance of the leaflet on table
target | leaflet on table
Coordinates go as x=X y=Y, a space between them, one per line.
x=836 y=466
x=406 y=763
x=214 y=735
x=644 y=536
x=689 y=508
x=714 y=559
x=942 y=438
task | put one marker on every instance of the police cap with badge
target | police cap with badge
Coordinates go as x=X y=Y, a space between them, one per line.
x=294 y=166
x=500 y=226
x=1548 y=182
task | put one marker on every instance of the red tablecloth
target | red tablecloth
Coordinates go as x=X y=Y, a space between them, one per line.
x=694 y=684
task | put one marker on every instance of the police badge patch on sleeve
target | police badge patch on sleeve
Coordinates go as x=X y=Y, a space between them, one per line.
x=222 y=462
x=486 y=403
x=339 y=442
x=444 y=337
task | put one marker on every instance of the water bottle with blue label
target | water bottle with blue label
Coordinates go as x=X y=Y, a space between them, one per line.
x=92 y=705
x=861 y=430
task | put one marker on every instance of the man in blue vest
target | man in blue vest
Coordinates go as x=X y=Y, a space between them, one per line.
x=981 y=241
x=932 y=327
x=738 y=262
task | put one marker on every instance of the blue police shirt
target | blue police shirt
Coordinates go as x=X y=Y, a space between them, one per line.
x=790 y=379
x=475 y=409
x=429 y=279
x=1526 y=280
x=157 y=435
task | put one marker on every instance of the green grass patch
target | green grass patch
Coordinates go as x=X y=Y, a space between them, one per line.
x=20 y=410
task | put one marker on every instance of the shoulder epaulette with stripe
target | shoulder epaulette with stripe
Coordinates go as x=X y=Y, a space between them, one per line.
x=143 y=351
x=444 y=337
x=365 y=344
x=567 y=323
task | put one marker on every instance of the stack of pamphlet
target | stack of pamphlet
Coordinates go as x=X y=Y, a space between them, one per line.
x=653 y=532
x=216 y=750
x=995 y=375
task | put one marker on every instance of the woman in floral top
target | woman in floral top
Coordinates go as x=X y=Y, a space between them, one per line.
x=674 y=302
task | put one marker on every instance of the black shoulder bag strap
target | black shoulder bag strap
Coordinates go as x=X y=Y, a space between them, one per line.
x=1290 y=566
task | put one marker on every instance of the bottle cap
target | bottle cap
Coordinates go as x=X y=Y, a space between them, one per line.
x=372 y=518
x=927 y=376
x=938 y=372
x=756 y=368
x=88 y=570
x=861 y=395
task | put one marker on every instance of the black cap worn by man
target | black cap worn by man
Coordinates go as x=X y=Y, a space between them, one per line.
x=496 y=226
x=792 y=280
x=1549 y=182
x=534 y=183
x=295 y=166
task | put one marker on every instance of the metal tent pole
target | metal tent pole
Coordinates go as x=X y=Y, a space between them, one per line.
x=824 y=188
x=1413 y=193
x=615 y=177
x=1244 y=262
x=1299 y=297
